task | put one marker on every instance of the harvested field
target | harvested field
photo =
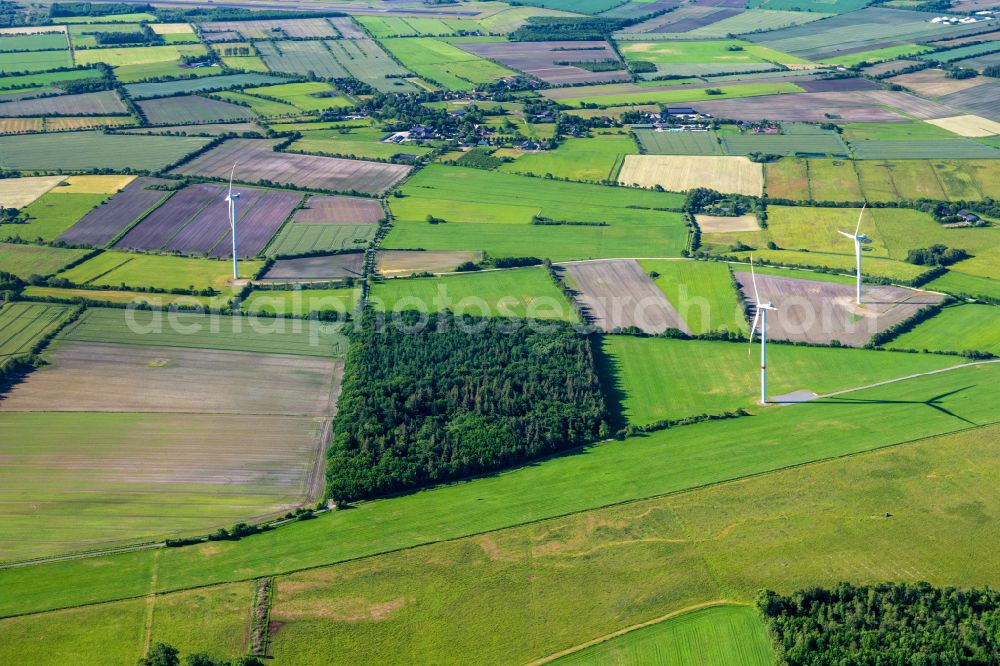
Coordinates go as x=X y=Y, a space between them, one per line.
x=99 y=377
x=69 y=123
x=323 y=209
x=969 y=125
x=103 y=224
x=821 y=312
x=329 y=267
x=192 y=109
x=393 y=263
x=32 y=29
x=682 y=19
x=94 y=184
x=325 y=173
x=20 y=125
x=541 y=59
x=883 y=68
x=807 y=107
x=188 y=86
x=717 y=224
x=617 y=293
x=737 y=175
x=935 y=82
x=729 y=22
x=172 y=28
x=294 y=28
x=105 y=102
x=19 y=192
x=305 y=238
x=301 y=58
x=347 y=28
x=196 y=220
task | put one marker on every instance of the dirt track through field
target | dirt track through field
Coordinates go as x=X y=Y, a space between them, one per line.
x=95 y=377
x=821 y=312
x=618 y=293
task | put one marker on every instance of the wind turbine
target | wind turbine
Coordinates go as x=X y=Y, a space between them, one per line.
x=858 y=240
x=231 y=200
x=761 y=316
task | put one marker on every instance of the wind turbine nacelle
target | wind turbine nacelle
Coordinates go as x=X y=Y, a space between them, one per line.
x=864 y=239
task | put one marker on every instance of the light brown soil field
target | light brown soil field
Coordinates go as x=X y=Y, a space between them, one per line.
x=736 y=175
x=339 y=210
x=19 y=192
x=969 y=125
x=821 y=312
x=260 y=162
x=20 y=125
x=617 y=293
x=405 y=262
x=171 y=28
x=98 y=480
x=934 y=82
x=95 y=377
x=65 y=123
x=328 y=267
x=717 y=224
x=32 y=30
x=94 y=184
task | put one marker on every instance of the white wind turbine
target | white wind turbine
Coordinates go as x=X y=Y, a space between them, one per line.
x=858 y=239
x=761 y=315
x=231 y=200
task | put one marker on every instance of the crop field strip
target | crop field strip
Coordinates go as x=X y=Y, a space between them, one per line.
x=159 y=272
x=191 y=109
x=298 y=238
x=189 y=86
x=698 y=455
x=317 y=268
x=22 y=325
x=443 y=63
x=94 y=150
x=96 y=103
x=307 y=171
x=540 y=59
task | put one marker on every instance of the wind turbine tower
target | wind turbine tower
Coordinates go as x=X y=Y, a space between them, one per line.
x=858 y=239
x=231 y=200
x=761 y=316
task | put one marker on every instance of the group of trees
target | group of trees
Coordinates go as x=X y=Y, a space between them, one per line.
x=902 y=623
x=458 y=396
x=935 y=255
x=162 y=654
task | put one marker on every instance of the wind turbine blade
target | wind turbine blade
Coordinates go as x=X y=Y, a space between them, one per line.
x=846 y=235
x=860 y=215
x=753 y=277
x=232 y=174
x=753 y=329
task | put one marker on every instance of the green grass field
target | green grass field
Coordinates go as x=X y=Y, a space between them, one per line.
x=126 y=270
x=670 y=379
x=913 y=130
x=957 y=328
x=659 y=463
x=22 y=325
x=51 y=215
x=206 y=331
x=702 y=293
x=519 y=292
x=220 y=613
x=596 y=159
x=479 y=208
x=714 y=636
x=139 y=55
x=359 y=142
x=296 y=239
x=301 y=302
x=29 y=81
x=34 y=61
x=265 y=108
x=115 y=296
x=94 y=150
x=306 y=96
x=954 y=282
x=444 y=64
x=27 y=260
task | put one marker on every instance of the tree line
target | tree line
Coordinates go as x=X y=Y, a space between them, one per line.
x=461 y=396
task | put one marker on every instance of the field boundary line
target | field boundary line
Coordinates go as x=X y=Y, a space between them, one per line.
x=535 y=521
x=147 y=626
x=634 y=627
x=903 y=379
